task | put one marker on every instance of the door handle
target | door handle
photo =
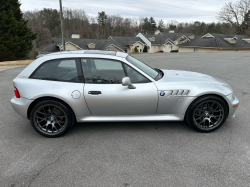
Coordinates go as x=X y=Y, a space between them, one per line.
x=95 y=92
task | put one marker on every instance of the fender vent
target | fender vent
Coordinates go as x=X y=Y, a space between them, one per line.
x=175 y=92
x=180 y=92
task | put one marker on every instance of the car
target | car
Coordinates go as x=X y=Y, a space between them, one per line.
x=57 y=90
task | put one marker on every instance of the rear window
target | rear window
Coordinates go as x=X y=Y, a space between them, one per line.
x=57 y=70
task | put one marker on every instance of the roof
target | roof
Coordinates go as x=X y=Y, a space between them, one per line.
x=164 y=37
x=100 y=44
x=49 y=48
x=201 y=42
x=82 y=43
x=219 y=42
x=125 y=41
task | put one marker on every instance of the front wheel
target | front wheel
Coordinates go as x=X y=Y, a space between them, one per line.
x=51 y=118
x=207 y=114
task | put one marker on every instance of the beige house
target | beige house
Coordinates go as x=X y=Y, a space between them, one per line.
x=165 y=42
x=128 y=44
x=217 y=43
x=159 y=42
x=80 y=44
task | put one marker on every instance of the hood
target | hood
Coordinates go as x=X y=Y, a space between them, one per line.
x=189 y=77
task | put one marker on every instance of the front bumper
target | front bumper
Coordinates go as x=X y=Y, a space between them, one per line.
x=232 y=101
x=21 y=105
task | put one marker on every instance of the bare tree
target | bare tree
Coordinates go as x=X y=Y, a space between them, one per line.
x=238 y=15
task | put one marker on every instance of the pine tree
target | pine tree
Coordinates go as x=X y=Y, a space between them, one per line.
x=152 y=23
x=15 y=37
x=102 y=18
x=161 y=25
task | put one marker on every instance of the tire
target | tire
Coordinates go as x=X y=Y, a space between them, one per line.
x=207 y=114
x=51 y=118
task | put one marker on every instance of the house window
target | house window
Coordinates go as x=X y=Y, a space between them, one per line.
x=138 y=46
x=196 y=49
x=140 y=50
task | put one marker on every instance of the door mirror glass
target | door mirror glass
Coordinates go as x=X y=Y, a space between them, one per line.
x=127 y=82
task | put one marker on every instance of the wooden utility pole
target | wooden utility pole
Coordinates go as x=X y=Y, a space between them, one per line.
x=61 y=18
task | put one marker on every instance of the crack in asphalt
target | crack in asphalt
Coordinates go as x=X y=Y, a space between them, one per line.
x=57 y=159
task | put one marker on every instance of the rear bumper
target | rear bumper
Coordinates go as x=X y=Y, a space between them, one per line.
x=21 y=105
x=232 y=101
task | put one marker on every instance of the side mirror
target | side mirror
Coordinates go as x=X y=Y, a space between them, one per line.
x=127 y=82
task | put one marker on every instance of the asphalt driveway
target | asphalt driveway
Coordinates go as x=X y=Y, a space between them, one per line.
x=133 y=154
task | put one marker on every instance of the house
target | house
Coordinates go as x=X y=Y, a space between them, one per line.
x=80 y=44
x=165 y=42
x=128 y=44
x=217 y=43
x=158 y=42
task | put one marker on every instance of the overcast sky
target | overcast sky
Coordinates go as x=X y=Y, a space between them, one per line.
x=179 y=10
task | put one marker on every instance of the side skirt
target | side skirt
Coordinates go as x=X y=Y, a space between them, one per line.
x=156 y=117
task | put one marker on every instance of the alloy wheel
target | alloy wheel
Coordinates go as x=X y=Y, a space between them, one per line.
x=208 y=115
x=50 y=119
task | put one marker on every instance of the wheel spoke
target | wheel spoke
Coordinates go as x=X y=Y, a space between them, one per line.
x=61 y=121
x=201 y=121
x=55 y=127
x=41 y=118
x=50 y=112
x=42 y=113
x=217 y=111
x=59 y=124
x=199 y=110
x=199 y=117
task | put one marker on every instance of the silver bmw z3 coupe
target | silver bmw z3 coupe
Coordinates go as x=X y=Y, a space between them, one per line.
x=59 y=89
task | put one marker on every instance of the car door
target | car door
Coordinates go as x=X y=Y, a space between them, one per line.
x=105 y=95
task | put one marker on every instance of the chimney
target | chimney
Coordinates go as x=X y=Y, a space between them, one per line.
x=75 y=36
x=172 y=31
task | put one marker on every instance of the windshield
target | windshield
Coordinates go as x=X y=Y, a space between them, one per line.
x=146 y=69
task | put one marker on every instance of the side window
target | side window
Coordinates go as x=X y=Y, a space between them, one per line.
x=135 y=76
x=102 y=71
x=57 y=70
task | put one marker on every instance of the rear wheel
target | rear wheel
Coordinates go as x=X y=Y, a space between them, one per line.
x=51 y=118
x=207 y=114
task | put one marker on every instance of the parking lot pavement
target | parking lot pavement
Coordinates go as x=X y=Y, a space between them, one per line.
x=133 y=154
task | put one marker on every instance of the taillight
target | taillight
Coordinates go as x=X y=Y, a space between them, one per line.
x=16 y=92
